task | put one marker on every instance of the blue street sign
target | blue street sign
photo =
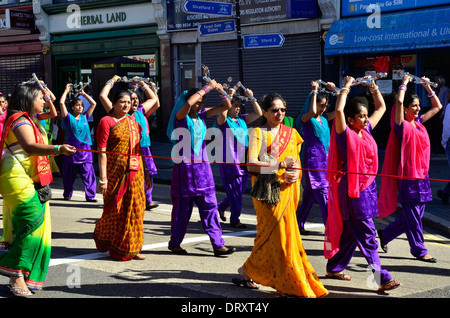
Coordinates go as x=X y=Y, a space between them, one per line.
x=208 y=7
x=263 y=40
x=217 y=27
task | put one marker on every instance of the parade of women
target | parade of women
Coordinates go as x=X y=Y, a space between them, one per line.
x=328 y=156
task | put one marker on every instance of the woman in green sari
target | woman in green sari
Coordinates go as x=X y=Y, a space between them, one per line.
x=24 y=167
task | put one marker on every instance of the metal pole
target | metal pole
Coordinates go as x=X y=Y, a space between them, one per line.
x=239 y=40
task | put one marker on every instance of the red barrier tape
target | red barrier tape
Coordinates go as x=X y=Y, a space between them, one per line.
x=255 y=165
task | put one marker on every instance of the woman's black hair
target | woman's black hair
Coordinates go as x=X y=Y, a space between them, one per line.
x=267 y=102
x=73 y=101
x=409 y=98
x=353 y=107
x=321 y=96
x=22 y=100
x=191 y=92
x=118 y=95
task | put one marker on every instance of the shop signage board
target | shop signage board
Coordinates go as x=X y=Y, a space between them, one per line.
x=17 y=19
x=217 y=27
x=263 y=41
x=208 y=7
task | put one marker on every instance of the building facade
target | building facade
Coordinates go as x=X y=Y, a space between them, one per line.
x=390 y=36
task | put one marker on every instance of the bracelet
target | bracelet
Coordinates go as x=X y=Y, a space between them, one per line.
x=374 y=89
x=223 y=97
x=145 y=87
x=432 y=94
x=201 y=95
x=206 y=89
x=102 y=182
x=344 y=90
x=314 y=91
x=57 y=149
x=110 y=83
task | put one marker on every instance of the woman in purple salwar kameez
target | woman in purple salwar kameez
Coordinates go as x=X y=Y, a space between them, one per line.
x=192 y=178
x=78 y=135
x=411 y=139
x=353 y=196
x=313 y=126
x=233 y=127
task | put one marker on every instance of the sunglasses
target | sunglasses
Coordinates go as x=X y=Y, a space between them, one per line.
x=276 y=110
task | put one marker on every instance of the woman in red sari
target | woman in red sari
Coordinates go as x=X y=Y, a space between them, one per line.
x=120 y=229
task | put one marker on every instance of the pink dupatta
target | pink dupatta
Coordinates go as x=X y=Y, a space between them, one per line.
x=408 y=158
x=362 y=163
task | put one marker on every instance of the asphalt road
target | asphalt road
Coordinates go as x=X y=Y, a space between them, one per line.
x=78 y=270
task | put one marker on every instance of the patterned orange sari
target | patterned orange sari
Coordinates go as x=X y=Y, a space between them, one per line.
x=278 y=259
x=120 y=229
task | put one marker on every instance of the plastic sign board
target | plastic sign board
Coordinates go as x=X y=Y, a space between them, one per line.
x=263 y=40
x=217 y=27
x=208 y=7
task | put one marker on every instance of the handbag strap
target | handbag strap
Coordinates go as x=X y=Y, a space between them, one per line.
x=7 y=146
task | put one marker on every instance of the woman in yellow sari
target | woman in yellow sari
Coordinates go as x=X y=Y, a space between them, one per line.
x=278 y=259
x=120 y=230
x=24 y=168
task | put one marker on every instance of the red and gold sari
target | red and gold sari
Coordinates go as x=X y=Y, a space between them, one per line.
x=120 y=229
x=278 y=259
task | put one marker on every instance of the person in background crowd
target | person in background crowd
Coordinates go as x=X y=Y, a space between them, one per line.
x=445 y=194
x=312 y=123
x=3 y=107
x=442 y=93
x=78 y=134
x=233 y=126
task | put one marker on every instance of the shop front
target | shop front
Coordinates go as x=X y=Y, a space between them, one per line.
x=82 y=37
x=414 y=41
x=21 y=52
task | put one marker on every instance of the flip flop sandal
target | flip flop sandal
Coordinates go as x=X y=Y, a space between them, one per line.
x=245 y=283
x=339 y=276
x=390 y=285
x=15 y=291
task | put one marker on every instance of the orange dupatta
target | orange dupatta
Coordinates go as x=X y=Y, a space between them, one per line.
x=43 y=164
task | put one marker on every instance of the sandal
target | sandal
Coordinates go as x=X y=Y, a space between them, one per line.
x=390 y=285
x=178 y=250
x=247 y=283
x=339 y=275
x=15 y=291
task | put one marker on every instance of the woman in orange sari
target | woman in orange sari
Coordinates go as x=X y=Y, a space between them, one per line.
x=278 y=258
x=120 y=229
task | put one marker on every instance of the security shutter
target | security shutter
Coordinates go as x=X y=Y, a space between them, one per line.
x=287 y=70
x=17 y=69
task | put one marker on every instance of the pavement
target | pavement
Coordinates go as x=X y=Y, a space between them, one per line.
x=437 y=213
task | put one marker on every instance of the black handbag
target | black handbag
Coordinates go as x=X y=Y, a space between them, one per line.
x=44 y=192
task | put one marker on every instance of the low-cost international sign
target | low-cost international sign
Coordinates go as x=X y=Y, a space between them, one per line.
x=263 y=41
x=217 y=27
x=208 y=7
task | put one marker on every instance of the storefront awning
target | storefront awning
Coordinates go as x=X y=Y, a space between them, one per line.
x=399 y=31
